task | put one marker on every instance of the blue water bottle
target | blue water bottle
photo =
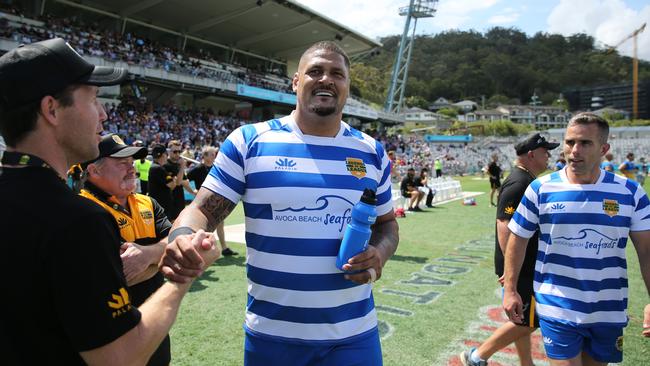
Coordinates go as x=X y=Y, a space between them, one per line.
x=357 y=233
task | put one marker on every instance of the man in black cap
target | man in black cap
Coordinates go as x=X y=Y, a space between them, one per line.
x=143 y=225
x=70 y=304
x=532 y=159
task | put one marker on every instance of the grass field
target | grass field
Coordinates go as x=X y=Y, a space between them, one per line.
x=437 y=295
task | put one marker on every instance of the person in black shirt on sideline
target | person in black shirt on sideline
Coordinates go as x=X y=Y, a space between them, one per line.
x=161 y=182
x=70 y=304
x=409 y=189
x=532 y=159
x=197 y=174
x=495 y=173
x=175 y=166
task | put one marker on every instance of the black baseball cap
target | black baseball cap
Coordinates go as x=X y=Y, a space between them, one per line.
x=32 y=71
x=112 y=146
x=158 y=150
x=533 y=142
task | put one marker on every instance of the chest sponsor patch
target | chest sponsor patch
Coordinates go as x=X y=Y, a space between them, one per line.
x=356 y=167
x=509 y=210
x=146 y=214
x=610 y=207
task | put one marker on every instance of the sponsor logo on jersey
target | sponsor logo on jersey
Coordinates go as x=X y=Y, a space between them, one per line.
x=610 y=207
x=121 y=302
x=146 y=214
x=356 y=167
x=318 y=213
x=589 y=239
x=547 y=340
x=558 y=206
x=509 y=210
x=285 y=164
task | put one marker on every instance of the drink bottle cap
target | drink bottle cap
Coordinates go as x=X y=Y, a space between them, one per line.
x=369 y=197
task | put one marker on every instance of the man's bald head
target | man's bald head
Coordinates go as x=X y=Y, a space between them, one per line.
x=328 y=46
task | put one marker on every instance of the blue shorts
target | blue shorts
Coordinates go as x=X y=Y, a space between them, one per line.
x=564 y=341
x=260 y=351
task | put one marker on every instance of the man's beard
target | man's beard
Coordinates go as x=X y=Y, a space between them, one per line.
x=323 y=111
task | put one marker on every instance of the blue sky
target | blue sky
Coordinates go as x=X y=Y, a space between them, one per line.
x=608 y=21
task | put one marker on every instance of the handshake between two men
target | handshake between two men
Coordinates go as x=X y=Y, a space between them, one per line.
x=187 y=257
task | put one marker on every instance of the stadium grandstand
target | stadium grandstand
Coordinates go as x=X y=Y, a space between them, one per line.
x=231 y=59
x=203 y=68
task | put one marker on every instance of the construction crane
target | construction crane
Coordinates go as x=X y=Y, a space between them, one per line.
x=416 y=9
x=635 y=69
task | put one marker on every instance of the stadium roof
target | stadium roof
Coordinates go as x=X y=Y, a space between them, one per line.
x=279 y=30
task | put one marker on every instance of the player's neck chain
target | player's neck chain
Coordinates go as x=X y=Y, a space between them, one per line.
x=23 y=160
x=527 y=171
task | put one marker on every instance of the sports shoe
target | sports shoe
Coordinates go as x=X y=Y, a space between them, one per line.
x=466 y=361
x=228 y=252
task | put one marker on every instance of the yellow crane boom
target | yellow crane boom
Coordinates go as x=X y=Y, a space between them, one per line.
x=635 y=69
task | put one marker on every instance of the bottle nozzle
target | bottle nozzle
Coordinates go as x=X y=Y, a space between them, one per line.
x=369 y=196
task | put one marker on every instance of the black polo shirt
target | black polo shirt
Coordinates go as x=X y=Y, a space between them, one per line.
x=512 y=190
x=63 y=290
x=159 y=177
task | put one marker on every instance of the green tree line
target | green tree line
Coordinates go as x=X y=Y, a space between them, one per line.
x=503 y=65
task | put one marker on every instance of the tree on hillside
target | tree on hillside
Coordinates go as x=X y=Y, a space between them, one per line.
x=503 y=61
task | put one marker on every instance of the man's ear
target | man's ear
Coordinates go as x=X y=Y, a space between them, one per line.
x=48 y=109
x=294 y=82
x=604 y=149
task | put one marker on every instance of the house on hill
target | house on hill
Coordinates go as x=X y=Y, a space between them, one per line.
x=415 y=117
x=466 y=106
x=439 y=104
x=543 y=117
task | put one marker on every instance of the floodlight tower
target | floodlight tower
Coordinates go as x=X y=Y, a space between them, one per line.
x=416 y=9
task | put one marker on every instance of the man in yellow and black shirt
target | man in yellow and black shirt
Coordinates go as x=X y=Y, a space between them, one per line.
x=142 y=222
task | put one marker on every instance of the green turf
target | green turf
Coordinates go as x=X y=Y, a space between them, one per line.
x=209 y=327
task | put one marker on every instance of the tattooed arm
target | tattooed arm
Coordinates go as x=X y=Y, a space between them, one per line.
x=206 y=211
x=182 y=262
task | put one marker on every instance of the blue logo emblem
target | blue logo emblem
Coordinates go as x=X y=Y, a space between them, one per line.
x=558 y=206
x=285 y=164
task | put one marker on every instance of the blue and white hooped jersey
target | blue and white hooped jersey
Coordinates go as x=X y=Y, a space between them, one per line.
x=298 y=191
x=581 y=268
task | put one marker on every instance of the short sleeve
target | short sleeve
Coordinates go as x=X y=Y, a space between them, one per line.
x=509 y=199
x=226 y=176
x=162 y=222
x=641 y=214
x=90 y=291
x=526 y=218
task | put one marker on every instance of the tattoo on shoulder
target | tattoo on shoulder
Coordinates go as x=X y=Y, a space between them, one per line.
x=216 y=208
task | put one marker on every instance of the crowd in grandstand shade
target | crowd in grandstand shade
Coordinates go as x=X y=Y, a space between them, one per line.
x=135 y=50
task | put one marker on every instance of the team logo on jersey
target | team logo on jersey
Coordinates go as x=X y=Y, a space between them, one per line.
x=122 y=222
x=356 y=167
x=121 y=303
x=610 y=207
x=509 y=210
x=558 y=206
x=619 y=344
x=285 y=164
